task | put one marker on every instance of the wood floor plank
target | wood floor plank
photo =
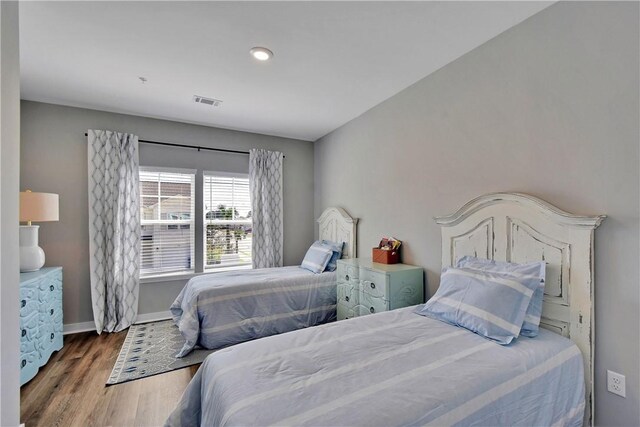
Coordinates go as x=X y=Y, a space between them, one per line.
x=70 y=389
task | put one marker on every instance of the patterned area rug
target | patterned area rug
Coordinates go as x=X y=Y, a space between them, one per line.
x=150 y=349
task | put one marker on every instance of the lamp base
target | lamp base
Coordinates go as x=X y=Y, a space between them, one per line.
x=31 y=255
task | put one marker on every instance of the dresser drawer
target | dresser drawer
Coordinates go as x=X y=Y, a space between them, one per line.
x=29 y=361
x=52 y=342
x=29 y=299
x=347 y=273
x=49 y=337
x=28 y=307
x=374 y=283
x=49 y=310
x=27 y=346
x=344 y=311
x=49 y=290
x=348 y=293
x=45 y=330
x=29 y=327
x=372 y=304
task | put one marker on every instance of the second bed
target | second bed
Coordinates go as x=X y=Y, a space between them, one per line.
x=221 y=309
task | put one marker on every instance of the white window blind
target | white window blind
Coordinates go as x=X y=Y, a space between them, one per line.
x=167 y=217
x=227 y=219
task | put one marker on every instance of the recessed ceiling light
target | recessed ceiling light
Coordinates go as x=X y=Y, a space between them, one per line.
x=261 y=53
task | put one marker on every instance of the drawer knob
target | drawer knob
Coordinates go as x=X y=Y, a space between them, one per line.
x=23 y=303
x=24 y=332
x=52 y=334
x=346 y=298
x=51 y=312
x=23 y=363
x=373 y=285
x=346 y=277
x=373 y=310
x=51 y=288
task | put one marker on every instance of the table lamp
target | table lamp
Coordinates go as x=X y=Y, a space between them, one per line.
x=36 y=207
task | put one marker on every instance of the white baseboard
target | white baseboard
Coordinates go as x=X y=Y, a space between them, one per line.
x=75 y=328
x=153 y=317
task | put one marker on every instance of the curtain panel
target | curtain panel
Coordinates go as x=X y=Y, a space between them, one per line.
x=265 y=183
x=114 y=228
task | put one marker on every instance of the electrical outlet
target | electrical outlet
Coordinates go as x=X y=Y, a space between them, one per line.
x=616 y=383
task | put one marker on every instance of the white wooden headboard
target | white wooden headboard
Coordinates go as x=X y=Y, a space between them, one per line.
x=521 y=228
x=337 y=225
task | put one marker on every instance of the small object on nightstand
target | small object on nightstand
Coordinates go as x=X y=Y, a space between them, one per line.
x=388 y=251
x=365 y=287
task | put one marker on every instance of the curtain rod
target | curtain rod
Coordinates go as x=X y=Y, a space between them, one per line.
x=193 y=147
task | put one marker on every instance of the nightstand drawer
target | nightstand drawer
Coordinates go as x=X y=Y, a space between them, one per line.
x=347 y=273
x=374 y=283
x=348 y=293
x=344 y=311
x=372 y=304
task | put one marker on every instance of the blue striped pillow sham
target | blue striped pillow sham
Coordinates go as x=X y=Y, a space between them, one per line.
x=317 y=257
x=531 y=324
x=490 y=304
x=337 y=254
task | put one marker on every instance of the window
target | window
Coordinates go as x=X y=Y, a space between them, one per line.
x=167 y=218
x=227 y=220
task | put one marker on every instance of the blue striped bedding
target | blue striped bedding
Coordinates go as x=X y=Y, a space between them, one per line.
x=220 y=309
x=390 y=369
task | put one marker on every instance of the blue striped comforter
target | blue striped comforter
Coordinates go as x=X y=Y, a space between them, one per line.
x=220 y=309
x=388 y=369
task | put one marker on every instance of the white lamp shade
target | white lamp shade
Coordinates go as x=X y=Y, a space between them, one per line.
x=38 y=207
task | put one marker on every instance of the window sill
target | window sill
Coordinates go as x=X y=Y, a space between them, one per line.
x=174 y=277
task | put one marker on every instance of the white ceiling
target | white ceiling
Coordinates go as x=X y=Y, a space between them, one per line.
x=333 y=60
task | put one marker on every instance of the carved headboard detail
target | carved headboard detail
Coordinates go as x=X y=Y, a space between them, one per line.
x=521 y=228
x=337 y=225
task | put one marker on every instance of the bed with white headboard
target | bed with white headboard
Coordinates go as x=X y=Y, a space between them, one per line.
x=402 y=368
x=220 y=309
x=520 y=228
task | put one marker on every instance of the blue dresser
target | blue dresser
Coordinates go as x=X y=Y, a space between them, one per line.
x=40 y=319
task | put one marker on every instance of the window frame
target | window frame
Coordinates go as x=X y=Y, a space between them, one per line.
x=205 y=222
x=153 y=277
x=198 y=225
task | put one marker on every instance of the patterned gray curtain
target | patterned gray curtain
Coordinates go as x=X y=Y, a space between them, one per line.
x=114 y=228
x=265 y=183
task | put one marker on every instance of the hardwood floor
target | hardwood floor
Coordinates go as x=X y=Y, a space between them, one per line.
x=70 y=389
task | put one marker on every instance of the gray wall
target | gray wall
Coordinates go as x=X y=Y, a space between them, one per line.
x=54 y=159
x=548 y=108
x=10 y=172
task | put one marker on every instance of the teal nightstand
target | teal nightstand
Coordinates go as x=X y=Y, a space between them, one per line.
x=365 y=287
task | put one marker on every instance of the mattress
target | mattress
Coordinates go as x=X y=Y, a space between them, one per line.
x=387 y=369
x=220 y=309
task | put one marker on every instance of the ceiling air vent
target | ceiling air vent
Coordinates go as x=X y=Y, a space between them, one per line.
x=207 y=101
